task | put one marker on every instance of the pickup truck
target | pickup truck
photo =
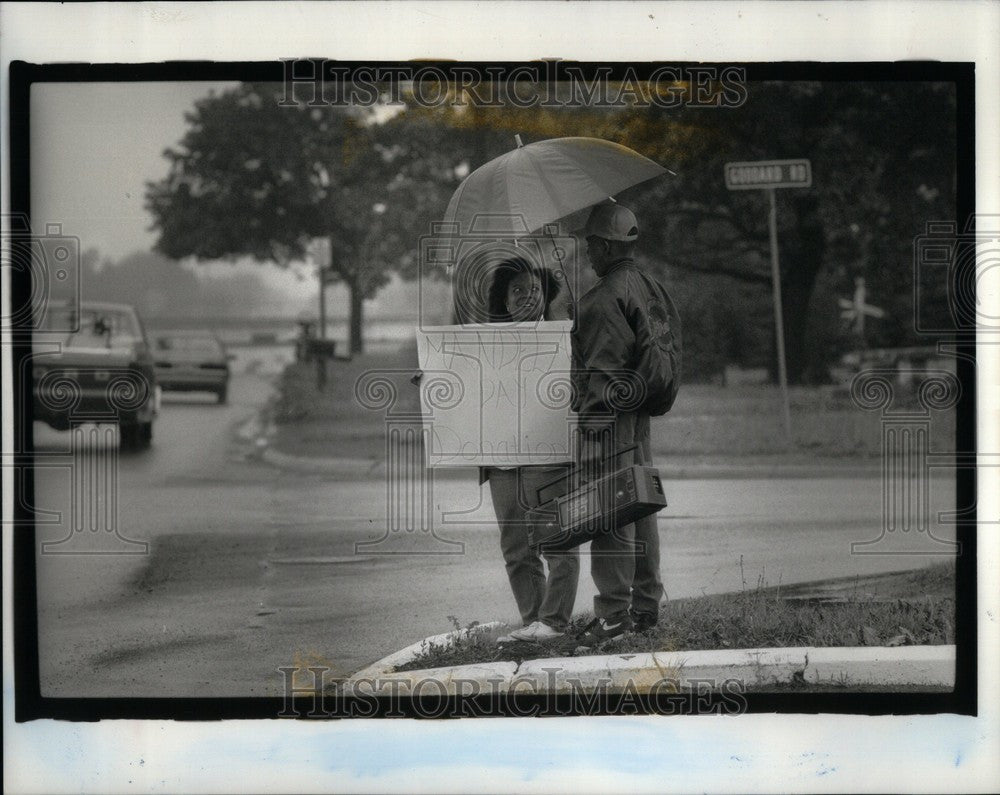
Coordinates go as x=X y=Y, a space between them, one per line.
x=93 y=364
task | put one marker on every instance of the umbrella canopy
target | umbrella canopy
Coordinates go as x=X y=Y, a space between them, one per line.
x=534 y=185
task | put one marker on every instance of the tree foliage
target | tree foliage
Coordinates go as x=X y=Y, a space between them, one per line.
x=254 y=178
x=883 y=161
x=883 y=157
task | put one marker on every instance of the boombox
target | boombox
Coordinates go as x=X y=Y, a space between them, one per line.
x=574 y=513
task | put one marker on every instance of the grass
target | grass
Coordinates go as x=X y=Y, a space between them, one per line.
x=913 y=608
x=707 y=421
x=334 y=423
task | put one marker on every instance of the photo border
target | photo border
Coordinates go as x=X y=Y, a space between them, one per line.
x=31 y=705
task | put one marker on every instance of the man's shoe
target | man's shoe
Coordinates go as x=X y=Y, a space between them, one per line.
x=643 y=622
x=536 y=632
x=601 y=630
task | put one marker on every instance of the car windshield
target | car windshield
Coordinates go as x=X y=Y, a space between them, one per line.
x=97 y=326
x=197 y=345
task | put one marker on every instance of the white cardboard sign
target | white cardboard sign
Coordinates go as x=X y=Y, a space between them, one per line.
x=496 y=394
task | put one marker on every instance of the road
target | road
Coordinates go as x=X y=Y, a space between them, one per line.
x=250 y=567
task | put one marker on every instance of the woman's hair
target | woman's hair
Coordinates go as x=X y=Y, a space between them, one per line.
x=502 y=275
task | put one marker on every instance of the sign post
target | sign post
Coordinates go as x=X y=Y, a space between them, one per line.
x=769 y=175
x=779 y=321
x=322 y=254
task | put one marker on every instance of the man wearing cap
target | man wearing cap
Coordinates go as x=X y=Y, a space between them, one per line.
x=626 y=368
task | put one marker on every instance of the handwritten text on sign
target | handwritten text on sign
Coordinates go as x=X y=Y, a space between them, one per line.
x=496 y=394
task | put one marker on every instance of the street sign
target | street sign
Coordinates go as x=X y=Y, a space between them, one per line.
x=760 y=174
x=768 y=175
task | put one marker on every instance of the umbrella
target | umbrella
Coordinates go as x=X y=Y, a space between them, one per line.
x=531 y=186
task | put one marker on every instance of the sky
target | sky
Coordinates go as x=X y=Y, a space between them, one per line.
x=93 y=148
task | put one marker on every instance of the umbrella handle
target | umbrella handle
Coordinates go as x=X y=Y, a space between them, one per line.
x=562 y=270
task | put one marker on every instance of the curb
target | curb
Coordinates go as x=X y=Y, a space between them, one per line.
x=842 y=667
x=898 y=665
x=404 y=655
x=258 y=431
x=768 y=471
x=367 y=467
x=340 y=467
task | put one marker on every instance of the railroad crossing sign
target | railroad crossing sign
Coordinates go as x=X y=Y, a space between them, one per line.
x=856 y=310
x=769 y=175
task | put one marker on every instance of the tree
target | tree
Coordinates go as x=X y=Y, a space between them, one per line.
x=883 y=158
x=254 y=178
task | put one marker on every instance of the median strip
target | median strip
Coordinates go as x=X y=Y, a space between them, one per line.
x=930 y=666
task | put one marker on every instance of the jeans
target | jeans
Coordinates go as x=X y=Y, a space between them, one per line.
x=539 y=598
x=625 y=564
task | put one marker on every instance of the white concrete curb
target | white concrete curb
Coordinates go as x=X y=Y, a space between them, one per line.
x=931 y=666
x=900 y=665
x=390 y=663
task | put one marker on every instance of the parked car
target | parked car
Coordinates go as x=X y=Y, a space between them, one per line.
x=192 y=361
x=93 y=364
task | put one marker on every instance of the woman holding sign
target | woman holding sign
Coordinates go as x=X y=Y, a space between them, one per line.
x=523 y=293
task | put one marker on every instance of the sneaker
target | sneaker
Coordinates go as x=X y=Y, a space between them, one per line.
x=536 y=632
x=643 y=622
x=601 y=630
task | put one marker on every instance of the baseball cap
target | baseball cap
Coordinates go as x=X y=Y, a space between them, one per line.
x=612 y=222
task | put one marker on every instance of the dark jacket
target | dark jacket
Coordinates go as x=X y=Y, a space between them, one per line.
x=626 y=347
